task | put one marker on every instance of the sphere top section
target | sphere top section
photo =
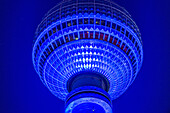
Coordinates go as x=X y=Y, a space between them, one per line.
x=96 y=36
x=107 y=7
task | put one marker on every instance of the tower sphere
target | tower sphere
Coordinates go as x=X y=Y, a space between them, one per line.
x=87 y=52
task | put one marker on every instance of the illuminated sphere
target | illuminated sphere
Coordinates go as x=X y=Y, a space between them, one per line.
x=87 y=52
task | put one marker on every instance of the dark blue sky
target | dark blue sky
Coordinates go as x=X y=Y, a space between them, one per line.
x=21 y=90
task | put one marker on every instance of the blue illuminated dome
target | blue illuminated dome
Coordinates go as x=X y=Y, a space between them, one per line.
x=87 y=52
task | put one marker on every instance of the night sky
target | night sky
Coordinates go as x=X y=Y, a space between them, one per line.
x=21 y=90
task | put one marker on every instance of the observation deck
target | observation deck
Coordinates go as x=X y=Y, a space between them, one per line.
x=87 y=36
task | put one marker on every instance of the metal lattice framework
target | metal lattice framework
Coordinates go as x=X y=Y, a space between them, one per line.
x=80 y=35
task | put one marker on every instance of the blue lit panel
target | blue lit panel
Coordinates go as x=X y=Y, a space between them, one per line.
x=95 y=100
x=99 y=106
x=87 y=36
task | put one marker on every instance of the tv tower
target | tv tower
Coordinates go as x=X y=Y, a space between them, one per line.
x=87 y=53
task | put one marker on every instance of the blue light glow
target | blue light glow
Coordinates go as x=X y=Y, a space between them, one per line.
x=97 y=101
x=73 y=57
x=94 y=36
